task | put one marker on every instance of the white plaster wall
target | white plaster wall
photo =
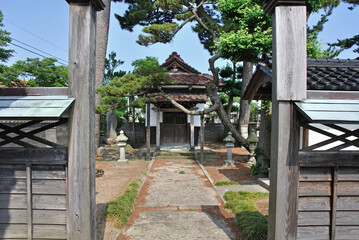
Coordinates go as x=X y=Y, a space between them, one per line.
x=197 y=118
x=315 y=137
x=153 y=117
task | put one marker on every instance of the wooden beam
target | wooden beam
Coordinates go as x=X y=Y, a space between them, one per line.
x=201 y=135
x=334 y=195
x=97 y=4
x=289 y=53
x=81 y=168
x=158 y=130
x=192 y=132
x=325 y=158
x=148 y=132
x=273 y=3
x=29 y=201
x=332 y=94
x=41 y=91
x=284 y=172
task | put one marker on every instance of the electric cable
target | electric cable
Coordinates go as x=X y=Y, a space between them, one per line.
x=40 y=50
x=35 y=35
x=34 y=52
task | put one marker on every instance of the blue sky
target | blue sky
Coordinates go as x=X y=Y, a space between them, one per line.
x=44 y=24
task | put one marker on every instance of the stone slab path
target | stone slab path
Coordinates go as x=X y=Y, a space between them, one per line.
x=178 y=202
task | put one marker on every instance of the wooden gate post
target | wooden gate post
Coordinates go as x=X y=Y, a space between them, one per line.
x=148 y=131
x=289 y=84
x=192 y=133
x=81 y=169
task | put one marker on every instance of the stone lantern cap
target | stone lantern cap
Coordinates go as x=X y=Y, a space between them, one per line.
x=122 y=137
x=229 y=138
x=252 y=138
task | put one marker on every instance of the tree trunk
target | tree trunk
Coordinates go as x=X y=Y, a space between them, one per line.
x=102 y=28
x=244 y=110
x=229 y=106
x=212 y=94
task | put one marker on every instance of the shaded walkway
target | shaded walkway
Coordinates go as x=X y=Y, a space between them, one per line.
x=178 y=202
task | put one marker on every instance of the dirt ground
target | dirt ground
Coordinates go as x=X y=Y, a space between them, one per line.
x=112 y=184
x=241 y=173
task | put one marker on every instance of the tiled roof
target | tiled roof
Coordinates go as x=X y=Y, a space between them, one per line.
x=175 y=63
x=183 y=74
x=184 y=97
x=190 y=78
x=329 y=74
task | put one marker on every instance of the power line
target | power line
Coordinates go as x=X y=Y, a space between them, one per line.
x=34 y=52
x=40 y=50
x=35 y=35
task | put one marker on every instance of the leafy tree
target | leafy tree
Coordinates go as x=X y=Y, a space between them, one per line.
x=34 y=72
x=5 y=40
x=141 y=83
x=314 y=47
x=111 y=63
x=232 y=85
x=348 y=42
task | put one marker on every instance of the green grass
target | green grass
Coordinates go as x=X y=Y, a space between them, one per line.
x=250 y=221
x=224 y=183
x=120 y=209
x=182 y=172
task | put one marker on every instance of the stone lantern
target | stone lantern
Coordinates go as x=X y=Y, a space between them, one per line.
x=252 y=141
x=229 y=140
x=122 y=141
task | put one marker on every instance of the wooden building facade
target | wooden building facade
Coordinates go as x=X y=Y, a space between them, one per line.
x=313 y=186
x=170 y=125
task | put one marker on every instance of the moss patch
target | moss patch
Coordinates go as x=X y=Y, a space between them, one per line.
x=120 y=209
x=225 y=183
x=250 y=221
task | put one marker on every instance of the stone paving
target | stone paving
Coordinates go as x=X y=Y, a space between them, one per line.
x=178 y=202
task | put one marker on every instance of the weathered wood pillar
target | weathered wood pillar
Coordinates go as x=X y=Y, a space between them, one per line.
x=158 y=130
x=81 y=166
x=192 y=133
x=202 y=138
x=148 y=131
x=289 y=84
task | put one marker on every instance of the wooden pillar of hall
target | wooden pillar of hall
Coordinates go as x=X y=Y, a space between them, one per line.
x=201 y=136
x=81 y=151
x=158 y=130
x=289 y=85
x=192 y=132
x=148 y=131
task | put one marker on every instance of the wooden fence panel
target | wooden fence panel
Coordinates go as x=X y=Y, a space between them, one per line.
x=33 y=194
x=328 y=202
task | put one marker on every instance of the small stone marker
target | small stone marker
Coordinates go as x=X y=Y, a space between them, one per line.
x=252 y=141
x=122 y=141
x=229 y=140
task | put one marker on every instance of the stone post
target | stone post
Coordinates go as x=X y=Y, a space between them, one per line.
x=229 y=140
x=252 y=141
x=122 y=141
